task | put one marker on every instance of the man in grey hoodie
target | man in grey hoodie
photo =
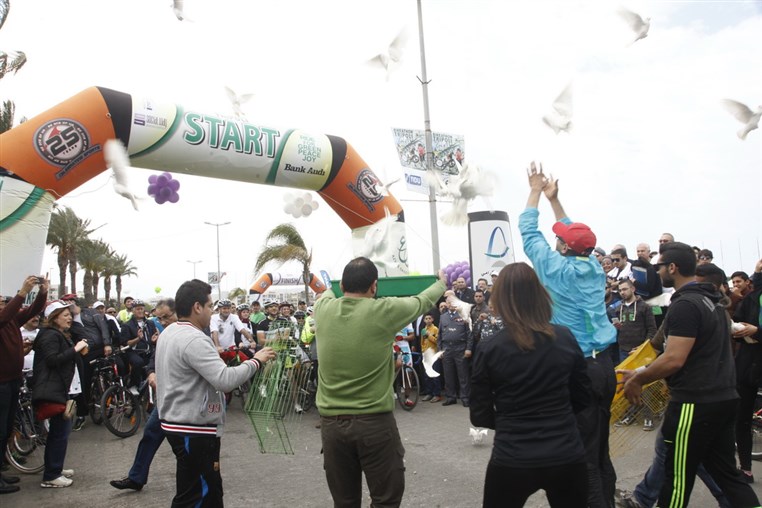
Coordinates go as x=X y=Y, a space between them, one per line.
x=191 y=385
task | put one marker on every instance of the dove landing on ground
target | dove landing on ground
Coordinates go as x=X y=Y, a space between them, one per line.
x=637 y=24
x=745 y=115
x=560 y=119
x=117 y=158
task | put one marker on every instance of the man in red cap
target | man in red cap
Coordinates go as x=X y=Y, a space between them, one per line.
x=577 y=285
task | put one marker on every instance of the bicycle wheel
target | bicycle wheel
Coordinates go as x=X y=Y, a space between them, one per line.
x=26 y=444
x=96 y=393
x=121 y=411
x=756 y=435
x=408 y=388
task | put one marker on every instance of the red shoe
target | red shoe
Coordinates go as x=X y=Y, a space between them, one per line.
x=409 y=403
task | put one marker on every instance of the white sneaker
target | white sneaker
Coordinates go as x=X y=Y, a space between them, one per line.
x=58 y=483
x=68 y=473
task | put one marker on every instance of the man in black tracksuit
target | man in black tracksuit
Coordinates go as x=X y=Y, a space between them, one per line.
x=699 y=422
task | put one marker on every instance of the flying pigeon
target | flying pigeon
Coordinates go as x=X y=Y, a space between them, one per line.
x=393 y=56
x=377 y=237
x=477 y=435
x=236 y=101
x=177 y=8
x=467 y=185
x=561 y=117
x=117 y=158
x=636 y=23
x=383 y=189
x=429 y=359
x=743 y=114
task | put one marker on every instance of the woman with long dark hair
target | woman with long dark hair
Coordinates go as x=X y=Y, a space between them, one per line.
x=58 y=369
x=527 y=383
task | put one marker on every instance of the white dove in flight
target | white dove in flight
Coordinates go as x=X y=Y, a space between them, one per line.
x=178 y=7
x=376 y=240
x=477 y=435
x=392 y=58
x=5 y=6
x=383 y=188
x=745 y=115
x=470 y=183
x=637 y=24
x=236 y=101
x=117 y=158
x=560 y=119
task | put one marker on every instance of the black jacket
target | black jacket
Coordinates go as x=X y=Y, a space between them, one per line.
x=530 y=397
x=93 y=329
x=652 y=286
x=130 y=331
x=54 y=364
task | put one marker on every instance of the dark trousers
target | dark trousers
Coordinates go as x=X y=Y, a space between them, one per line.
x=702 y=433
x=55 y=447
x=456 y=374
x=593 y=425
x=357 y=444
x=748 y=374
x=9 y=400
x=138 y=363
x=508 y=487
x=198 y=479
x=153 y=436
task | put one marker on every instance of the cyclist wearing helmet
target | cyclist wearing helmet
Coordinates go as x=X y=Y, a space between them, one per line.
x=240 y=340
x=223 y=326
x=272 y=319
x=141 y=334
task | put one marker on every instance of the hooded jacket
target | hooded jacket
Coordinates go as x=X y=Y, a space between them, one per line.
x=708 y=374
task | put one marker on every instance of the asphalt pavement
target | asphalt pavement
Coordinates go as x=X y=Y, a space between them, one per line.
x=444 y=467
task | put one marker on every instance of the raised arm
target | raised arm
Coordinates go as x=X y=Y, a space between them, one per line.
x=551 y=192
x=537 y=182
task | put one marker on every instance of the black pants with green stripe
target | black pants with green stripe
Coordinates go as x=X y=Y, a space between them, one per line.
x=702 y=433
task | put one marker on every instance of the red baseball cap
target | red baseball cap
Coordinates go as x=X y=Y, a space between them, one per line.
x=69 y=297
x=579 y=237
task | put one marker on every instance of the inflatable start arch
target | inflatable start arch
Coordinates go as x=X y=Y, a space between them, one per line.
x=53 y=153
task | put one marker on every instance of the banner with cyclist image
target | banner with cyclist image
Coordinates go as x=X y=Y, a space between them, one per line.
x=447 y=148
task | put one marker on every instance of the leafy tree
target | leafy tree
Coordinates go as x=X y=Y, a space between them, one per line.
x=7 y=112
x=93 y=256
x=237 y=294
x=122 y=268
x=65 y=233
x=284 y=244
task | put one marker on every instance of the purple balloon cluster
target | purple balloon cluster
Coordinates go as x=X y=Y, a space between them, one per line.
x=459 y=269
x=163 y=188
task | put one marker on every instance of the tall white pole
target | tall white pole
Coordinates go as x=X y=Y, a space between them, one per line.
x=429 y=146
x=219 y=282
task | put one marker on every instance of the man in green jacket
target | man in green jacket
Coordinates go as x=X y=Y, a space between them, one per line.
x=358 y=428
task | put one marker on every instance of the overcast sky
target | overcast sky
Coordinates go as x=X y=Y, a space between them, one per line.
x=652 y=149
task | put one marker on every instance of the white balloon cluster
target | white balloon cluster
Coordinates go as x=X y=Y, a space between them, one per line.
x=299 y=205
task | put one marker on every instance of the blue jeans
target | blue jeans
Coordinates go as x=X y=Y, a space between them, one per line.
x=647 y=491
x=55 y=447
x=153 y=436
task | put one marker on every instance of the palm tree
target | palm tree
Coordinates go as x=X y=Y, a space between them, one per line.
x=288 y=245
x=104 y=256
x=122 y=268
x=65 y=233
x=108 y=271
x=6 y=116
x=237 y=294
x=93 y=255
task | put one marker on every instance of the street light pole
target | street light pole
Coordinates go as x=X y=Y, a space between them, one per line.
x=219 y=285
x=194 y=263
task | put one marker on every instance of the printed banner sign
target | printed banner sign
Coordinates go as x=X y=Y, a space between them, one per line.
x=447 y=148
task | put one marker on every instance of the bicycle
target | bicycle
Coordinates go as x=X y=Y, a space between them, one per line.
x=756 y=428
x=121 y=407
x=25 y=450
x=407 y=386
x=105 y=373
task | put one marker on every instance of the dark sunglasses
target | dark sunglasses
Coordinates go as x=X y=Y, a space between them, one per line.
x=705 y=258
x=616 y=260
x=659 y=265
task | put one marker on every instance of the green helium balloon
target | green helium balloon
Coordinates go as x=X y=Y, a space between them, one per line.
x=157 y=289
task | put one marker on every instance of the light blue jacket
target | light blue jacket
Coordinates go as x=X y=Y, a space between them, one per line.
x=576 y=284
